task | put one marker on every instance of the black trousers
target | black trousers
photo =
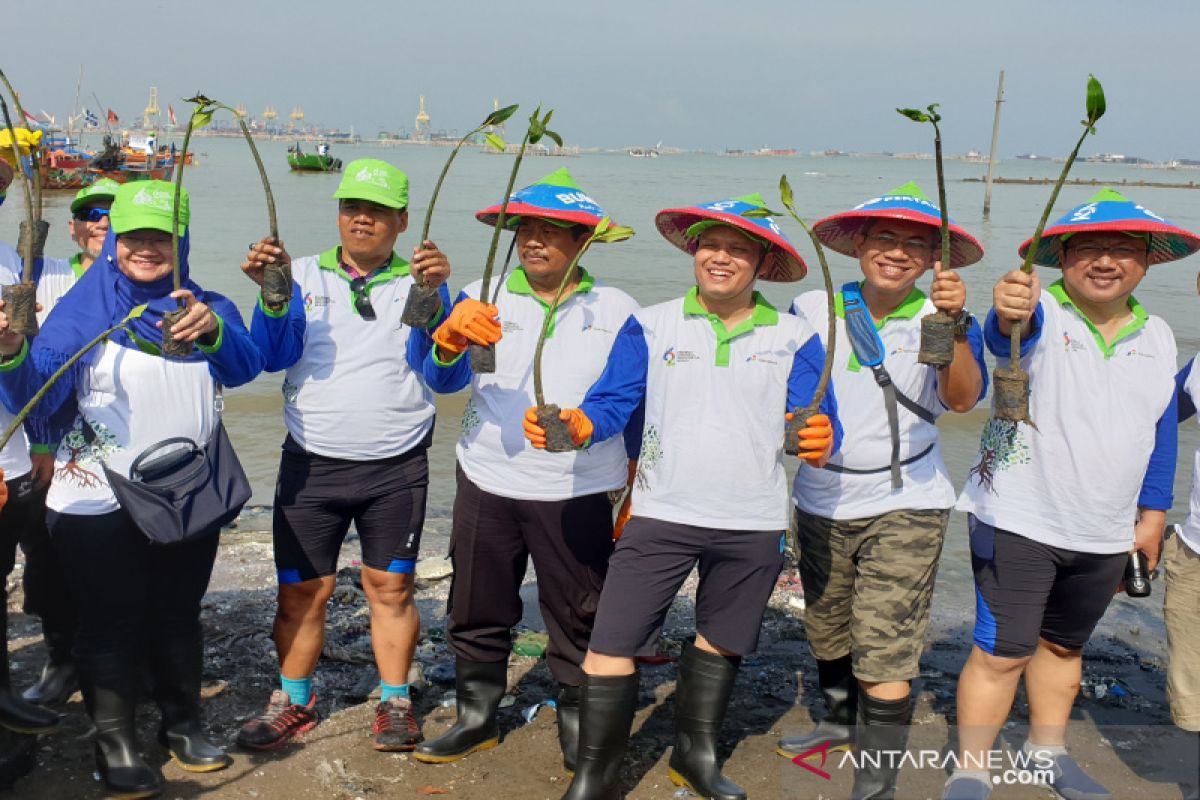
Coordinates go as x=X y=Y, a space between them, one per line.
x=135 y=596
x=13 y=519
x=491 y=542
x=48 y=594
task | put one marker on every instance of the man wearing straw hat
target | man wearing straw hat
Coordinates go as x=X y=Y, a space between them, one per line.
x=715 y=372
x=1056 y=511
x=512 y=503
x=359 y=419
x=870 y=525
x=46 y=593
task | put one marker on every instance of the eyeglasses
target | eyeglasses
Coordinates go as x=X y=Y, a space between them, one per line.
x=141 y=241
x=1121 y=253
x=915 y=248
x=91 y=215
x=362 y=303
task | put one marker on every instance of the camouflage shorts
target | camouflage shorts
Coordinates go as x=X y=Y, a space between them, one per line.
x=867 y=585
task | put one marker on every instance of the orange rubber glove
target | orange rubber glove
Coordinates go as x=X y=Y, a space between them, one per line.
x=627 y=506
x=578 y=425
x=471 y=322
x=816 y=440
x=3 y=491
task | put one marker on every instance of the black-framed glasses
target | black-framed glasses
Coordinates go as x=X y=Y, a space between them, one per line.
x=362 y=302
x=1122 y=253
x=914 y=247
x=91 y=214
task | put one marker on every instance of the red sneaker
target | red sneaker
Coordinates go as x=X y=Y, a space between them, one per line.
x=282 y=720
x=395 y=728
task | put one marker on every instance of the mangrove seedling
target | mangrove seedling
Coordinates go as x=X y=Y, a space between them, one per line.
x=483 y=359
x=800 y=416
x=19 y=419
x=1012 y=382
x=20 y=299
x=937 y=329
x=422 y=304
x=558 y=437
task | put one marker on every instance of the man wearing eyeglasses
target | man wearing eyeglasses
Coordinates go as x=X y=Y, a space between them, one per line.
x=1056 y=511
x=359 y=419
x=871 y=523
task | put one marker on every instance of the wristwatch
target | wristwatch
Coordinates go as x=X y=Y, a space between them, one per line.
x=962 y=323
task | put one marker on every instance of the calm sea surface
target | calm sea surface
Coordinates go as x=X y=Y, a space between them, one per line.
x=228 y=212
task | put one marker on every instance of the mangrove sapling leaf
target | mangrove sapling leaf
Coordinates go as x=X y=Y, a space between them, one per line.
x=800 y=416
x=558 y=439
x=19 y=419
x=1012 y=383
x=937 y=329
x=495 y=142
x=554 y=137
x=501 y=115
x=423 y=303
x=20 y=300
x=483 y=359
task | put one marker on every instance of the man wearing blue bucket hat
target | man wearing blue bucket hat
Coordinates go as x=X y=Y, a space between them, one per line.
x=360 y=420
x=714 y=373
x=1057 y=511
x=870 y=525
x=513 y=503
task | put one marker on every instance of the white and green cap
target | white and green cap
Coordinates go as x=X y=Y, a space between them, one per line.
x=148 y=204
x=374 y=181
x=103 y=189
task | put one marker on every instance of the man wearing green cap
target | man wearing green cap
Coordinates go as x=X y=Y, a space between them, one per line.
x=360 y=419
x=514 y=503
x=1058 y=511
x=871 y=524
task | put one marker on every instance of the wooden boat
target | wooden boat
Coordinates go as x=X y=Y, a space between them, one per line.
x=300 y=161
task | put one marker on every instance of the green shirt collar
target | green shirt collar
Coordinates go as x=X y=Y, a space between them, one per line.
x=908 y=309
x=396 y=268
x=77 y=265
x=518 y=283
x=764 y=314
x=1059 y=292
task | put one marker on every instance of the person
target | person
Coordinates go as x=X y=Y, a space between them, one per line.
x=1056 y=509
x=359 y=419
x=870 y=526
x=322 y=149
x=47 y=593
x=716 y=372
x=143 y=599
x=514 y=504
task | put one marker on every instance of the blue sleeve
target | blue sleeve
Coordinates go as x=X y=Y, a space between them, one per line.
x=1187 y=406
x=420 y=341
x=443 y=377
x=234 y=359
x=22 y=377
x=614 y=399
x=999 y=344
x=279 y=337
x=1159 y=483
x=634 y=429
x=45 y=433
x=975 y=339
x=807 y=364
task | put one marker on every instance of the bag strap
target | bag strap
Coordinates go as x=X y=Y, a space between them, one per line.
x=851 y=471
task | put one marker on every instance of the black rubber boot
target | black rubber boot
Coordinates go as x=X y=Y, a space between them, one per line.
x=176 y=666
x=15 y=714
x=109 y=686
x=882 y=735
x=840 y=689
x=59 y=680
x=479 y=687
x=606 y=707
x=701 y=697
x=567 y=704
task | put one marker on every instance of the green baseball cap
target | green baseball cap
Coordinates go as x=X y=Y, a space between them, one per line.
x=103 y=189
x=374 y=181
x=148 y=204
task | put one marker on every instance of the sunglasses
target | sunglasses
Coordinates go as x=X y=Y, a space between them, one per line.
x=362 y=303
x=91 y=215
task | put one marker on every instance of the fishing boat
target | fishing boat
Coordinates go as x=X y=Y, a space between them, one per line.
x=301 y=161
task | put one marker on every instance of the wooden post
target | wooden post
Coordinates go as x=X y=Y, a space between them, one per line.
x=987 y=192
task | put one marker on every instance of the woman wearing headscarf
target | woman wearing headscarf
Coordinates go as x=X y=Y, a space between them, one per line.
x=139 y=601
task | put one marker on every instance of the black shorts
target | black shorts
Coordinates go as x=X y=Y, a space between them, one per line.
x=1026 y=590
x=317 y=498
x=653 y=558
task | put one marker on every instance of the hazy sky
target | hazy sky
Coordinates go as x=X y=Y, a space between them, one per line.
x=698 y=74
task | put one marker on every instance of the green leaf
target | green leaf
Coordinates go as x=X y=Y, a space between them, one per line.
x=760 y=212
x=555 y=138
x=495 y=142
x=933 y=115
x=1095 y=99
x=913 y=114
x=201 y=117
x=602 y=226
x=616 y=233
x=785 y=191
x=546 y=119
x=136 y=312
x=497 y=117
x=198 y=99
